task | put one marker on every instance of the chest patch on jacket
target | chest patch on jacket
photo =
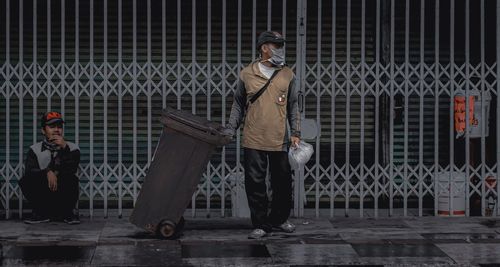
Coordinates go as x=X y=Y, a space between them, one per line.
x=282 y=99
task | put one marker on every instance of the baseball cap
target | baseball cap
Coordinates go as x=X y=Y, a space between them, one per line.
x=51 y=117
x=270 y=37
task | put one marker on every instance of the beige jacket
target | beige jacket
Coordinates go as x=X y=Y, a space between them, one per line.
x=265 y=120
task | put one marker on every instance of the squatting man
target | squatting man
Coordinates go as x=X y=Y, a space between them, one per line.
x=50 y=183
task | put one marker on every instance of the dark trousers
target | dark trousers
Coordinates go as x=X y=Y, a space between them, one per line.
x=256 y=163
x=45 y=202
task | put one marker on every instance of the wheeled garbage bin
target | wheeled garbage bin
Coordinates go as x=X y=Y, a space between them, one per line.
x=181 y=157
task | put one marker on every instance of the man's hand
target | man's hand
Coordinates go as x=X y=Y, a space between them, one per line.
x=295 y=141
x=52 y=179
x=228 y=133
x=58 y=140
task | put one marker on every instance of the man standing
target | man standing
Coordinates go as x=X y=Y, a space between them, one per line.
x=267 y=99
x=50 y=183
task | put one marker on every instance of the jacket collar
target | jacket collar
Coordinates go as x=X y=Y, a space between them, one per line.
x=256 y=69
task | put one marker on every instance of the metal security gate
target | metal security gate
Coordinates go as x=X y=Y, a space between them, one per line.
x=380 y=77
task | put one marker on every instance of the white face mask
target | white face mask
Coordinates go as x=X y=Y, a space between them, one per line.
x=277 y=57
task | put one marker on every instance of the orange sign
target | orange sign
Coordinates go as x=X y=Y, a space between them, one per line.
x=460 y=113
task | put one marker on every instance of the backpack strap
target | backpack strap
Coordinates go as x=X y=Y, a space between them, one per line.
x=263 y=89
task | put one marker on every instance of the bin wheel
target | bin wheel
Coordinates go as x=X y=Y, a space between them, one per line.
x=166 y=229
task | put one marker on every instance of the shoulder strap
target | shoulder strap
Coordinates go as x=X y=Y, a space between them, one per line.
x=263 y=89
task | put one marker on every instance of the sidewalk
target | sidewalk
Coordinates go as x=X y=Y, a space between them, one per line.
x=426 y=241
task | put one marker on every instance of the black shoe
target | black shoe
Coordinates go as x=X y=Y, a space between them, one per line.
x=72 y=219
x=37 y=218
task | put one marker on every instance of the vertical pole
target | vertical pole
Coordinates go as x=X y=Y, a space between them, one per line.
x=362 y=145
x=239 y=66
x=332 y=109
x=106 y=94
x=35 y=73
x=452 y=95
x=193 y=62
x=20 y=90
x=7 y=109
x=63 y=63
x=318 y=108
x=483 y=122
x=377 y=105
x=179 y=59
x=254 y=25
x=134 y=98
x=163 y=55
x=209 y=93
x=149 y=79
x=91 y=110
x=49 y=52
x=120 y=110
x=303 y=61
x=347 y=111
x=300 y=72
x=193 y=86
x=77 y=72
x=224 y=95
x=406 y=103
x=283 y=23
x=436 y=108
x=468 y=115
x=269 y=7
x=498 y=106
x=391 y=116
x=421 y=111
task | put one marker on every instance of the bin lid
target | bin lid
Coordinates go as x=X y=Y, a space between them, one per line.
x=195 y=126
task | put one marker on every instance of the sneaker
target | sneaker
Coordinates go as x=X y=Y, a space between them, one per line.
x=73 y=219
x=286 y=227
x=257 y=234
x=36 y=218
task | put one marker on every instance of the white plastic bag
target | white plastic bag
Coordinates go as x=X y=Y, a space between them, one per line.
x=300 y=155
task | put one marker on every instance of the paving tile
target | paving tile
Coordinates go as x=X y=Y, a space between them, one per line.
x=491 y=237
x=366 y=229
x=312 y=225
x=398 y=250
x=225 y=251
x=321 y=239
x=313 y=254
x=472 y=253
x=60 y=233
x=57 y=238
x=120 y=231
x=46 y=255
x=490 y=222
x=239 y=229
x=411 y=241
x=141 y=254
x=407 y=261
x=236 y=262
x=222 y=242
x=217 y=224
x=220 y=229
x=214 y=235
x=381 y=233
x=408 y=241
x=447 y=225
x=365 y=223
x=10 y=230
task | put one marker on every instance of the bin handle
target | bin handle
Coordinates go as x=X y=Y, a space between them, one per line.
x=191 y=124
